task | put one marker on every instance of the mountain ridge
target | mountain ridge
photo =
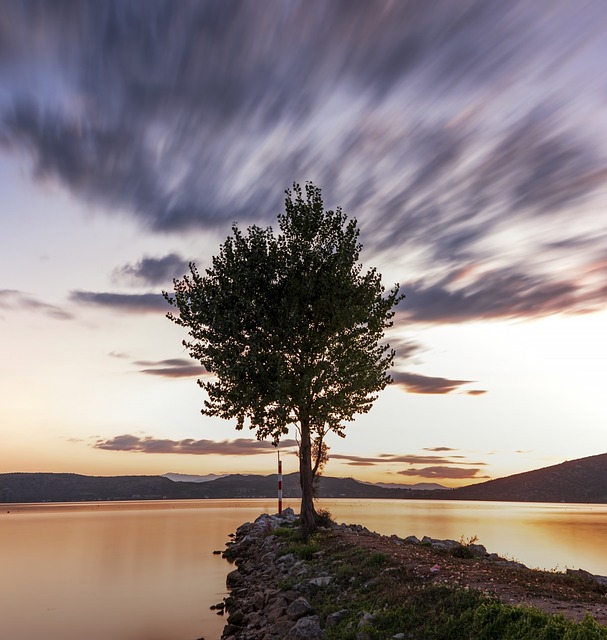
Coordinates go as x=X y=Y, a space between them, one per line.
x=583 y=480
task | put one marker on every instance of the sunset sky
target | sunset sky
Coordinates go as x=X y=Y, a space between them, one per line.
x=467 y=137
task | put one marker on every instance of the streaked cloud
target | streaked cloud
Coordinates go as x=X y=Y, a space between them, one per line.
x=152 y=271
x=414 y=459
x=444 y=473
x=12 y=299
x=148 y=444
x=462 y=134
x=126 y=302
x=418 y=383
x=406 y=349
x=493 y=295
x=172 y=368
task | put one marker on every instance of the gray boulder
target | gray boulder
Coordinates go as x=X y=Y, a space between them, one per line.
x=307 y=628
x=333 y=619
x=299 y=608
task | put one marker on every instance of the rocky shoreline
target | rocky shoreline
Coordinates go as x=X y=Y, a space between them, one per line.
x=279 y=590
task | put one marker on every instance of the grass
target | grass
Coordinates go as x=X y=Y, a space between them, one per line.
x=302 y=547
x=399 y=602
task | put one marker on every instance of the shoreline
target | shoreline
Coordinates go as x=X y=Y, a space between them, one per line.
x=283 y=587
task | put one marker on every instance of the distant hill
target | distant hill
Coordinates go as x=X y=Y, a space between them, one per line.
x=186 y=477
x=418 y=486
x=71 y=487
x=266 y=486
x=582 y=480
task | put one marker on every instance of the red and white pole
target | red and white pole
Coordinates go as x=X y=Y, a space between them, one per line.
x=279 y=484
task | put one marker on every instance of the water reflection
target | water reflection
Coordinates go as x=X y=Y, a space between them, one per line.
x=145 y=570
x=546 y=536
x=119 y=571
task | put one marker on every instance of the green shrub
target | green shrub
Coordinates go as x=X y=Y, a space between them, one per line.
x=304 y=550
x=377 y=559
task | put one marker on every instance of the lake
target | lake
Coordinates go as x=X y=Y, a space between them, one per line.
x=146 y=571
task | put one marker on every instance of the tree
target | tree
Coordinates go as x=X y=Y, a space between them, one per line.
x=291 y=328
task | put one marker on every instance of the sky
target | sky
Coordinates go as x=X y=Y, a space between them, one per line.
x=467 y=137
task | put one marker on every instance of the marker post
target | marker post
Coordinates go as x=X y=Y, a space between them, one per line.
x=279 y=484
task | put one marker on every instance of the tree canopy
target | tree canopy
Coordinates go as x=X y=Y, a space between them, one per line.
x=291 y=329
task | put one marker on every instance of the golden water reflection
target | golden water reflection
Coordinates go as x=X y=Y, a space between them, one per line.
x=540 y=535
x=146 y=571
x=116 y=571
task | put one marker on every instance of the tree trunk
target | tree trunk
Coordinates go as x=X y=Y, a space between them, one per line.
x=306 y=480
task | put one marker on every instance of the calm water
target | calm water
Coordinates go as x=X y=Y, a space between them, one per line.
x=145 y=570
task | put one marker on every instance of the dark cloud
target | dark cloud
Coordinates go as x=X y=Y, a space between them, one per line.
x=439 y=449
x=238 y=447
x=451 y=130
x=406 y=349
x=388 y=458
x=444 y=473
x=18 y=300
x=172 y=368
x=129 y=303
x=477 y=392
x=417 y=383
x=499 y=294
x=153 y=271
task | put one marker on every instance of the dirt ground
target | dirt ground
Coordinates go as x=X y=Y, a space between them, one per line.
x=551 y=592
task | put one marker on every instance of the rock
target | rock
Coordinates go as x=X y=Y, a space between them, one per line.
x=230 y=630
x=366 y=618
x=321 y=581
x=412 y=540
x=234 y=579
x=478 y=550
x=291 y=595
x=307 y=628
x=276 y=609
x=586 y=575
x=256 y=621
x=288 y=559
x=333 y=619
x=299 y=608
x=258 y=601
x=236 y=618
x=445 y=545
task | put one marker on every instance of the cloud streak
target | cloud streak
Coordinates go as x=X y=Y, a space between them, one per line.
x=152 y=271
x=12 y=299
x=418 y=383
x=124 y=302
x=172 y=368
x=443 y=473
x=188 y=446
x=454 y=132
x=414 y=459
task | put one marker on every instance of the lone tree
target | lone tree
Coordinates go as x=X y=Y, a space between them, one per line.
x=290 y=326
